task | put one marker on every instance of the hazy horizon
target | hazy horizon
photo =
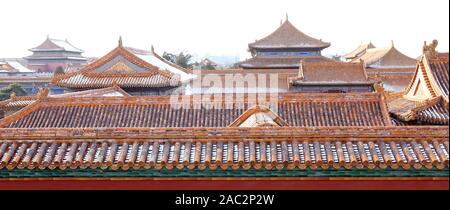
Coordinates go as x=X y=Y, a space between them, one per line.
x=220 y=27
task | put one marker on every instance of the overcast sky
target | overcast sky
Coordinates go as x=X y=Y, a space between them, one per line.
x=219 y=27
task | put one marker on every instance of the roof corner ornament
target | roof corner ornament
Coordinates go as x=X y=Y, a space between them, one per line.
x=114 y=84
x=153 y=49
x=120 y=41
x=362 y=62
x=430 y=49
x=43 y=93
x=12 y=95
x=287 y=17
x=379 y=85
x=300 y=72
x=392 y=43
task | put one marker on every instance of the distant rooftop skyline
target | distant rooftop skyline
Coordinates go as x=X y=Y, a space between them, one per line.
x=220 y=27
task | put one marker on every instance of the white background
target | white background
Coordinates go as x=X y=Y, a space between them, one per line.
x=219 y=27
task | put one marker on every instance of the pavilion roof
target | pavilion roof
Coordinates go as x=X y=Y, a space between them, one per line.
x=299 y=110
x=287 y=36
x=119 y=67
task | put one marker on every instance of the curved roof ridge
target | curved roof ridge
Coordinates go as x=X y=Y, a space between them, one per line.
x=88 y=70
x=360 y=49
x=288 y=36
x=56 y=44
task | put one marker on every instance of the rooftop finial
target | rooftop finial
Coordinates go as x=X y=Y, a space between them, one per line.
x=48 y=36
x=392 y=43
x=120 y=41
x=430 y=49
x=153 y=49
x=287 y=17
x=43 y=93
x=12 y=95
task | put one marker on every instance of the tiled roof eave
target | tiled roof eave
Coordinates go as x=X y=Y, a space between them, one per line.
x=409 y=148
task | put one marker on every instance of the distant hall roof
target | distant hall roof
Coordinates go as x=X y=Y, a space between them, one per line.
x=287 y=36
x=56 y=45
x=386 y=58
x=359 y=50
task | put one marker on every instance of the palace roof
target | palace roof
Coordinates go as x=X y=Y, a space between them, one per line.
x=19 y=102
x=13 y=66
x=361 y=49
x=425 y=100
x=380 y=151
x=331 y=73
x=433 y=111
x=431 y=78
x=56 y=45
x=153 y=58
x=287 y=36
x=259 y=62
x=386 y=58
x=120 y=67
x=300 y=110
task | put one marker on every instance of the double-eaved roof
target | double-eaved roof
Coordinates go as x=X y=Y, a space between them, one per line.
x=119 y=67
x=297 y=110
x=51 y=44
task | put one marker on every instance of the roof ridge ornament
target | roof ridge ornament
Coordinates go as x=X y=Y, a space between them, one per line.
x=120 y=41
x=392 y=43
x=43 y=93
x=12 y=95
x=301 y=75
x=430 y=49
x=287 y=17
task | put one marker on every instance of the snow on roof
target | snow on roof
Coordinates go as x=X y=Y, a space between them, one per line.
x=56 y=44
x=151 y=58
x=16 y=67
